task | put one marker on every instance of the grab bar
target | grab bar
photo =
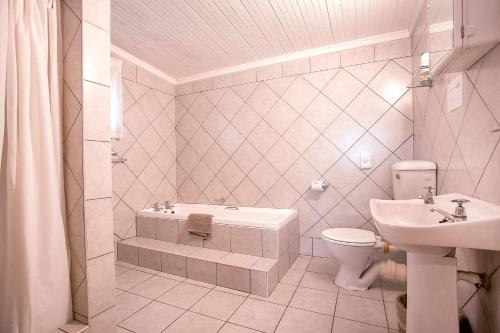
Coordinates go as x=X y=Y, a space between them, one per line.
x=232 y=208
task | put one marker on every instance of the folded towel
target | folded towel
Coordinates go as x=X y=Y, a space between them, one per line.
x=200 y=225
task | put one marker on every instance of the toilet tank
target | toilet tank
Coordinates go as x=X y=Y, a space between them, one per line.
x=410 y=177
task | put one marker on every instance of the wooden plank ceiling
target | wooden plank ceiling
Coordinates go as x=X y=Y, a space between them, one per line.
x=186 y=37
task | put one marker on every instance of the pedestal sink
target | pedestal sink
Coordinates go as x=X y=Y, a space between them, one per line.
x=432 y=268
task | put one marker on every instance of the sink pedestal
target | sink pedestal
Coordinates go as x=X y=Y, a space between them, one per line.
x=432 y=294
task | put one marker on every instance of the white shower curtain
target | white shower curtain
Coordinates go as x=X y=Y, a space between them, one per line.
x=35 y=291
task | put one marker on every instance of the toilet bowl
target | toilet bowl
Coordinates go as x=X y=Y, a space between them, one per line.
x=356 y=250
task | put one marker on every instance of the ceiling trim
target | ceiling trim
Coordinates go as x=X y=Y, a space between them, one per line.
x=132 y=58
x=298 y=55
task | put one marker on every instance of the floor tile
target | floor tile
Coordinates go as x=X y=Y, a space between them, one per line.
x=122 y=330
x=323 y=265
x=314 y=300
x=301 y=321
x=153 y=318
x=127 y=304
x=392 y=315
x=199 y=283
x=391 y=290
x=231 y=291
x=130 y=279
x=118 y=292
x=232 y=328
x=341 y=325
x=191 y=322
x=282 y=294
x=374 y=292
x=120 y=270
x=171 y=276
x=154 y=287
x=318 y=281
x=259 y=315
x=293 y=276
x=183 y=295
x=137 y=268
x=361 y=309
x=218 y=304
x=301 y=263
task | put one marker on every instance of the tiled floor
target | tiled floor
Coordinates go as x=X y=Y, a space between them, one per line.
x=306 y=300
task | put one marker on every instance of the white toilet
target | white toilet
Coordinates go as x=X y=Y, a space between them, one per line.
x=359 y=251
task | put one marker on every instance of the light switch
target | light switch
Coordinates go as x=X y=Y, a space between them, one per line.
x=365 y=161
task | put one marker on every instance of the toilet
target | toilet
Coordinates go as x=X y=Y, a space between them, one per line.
x=360 y=252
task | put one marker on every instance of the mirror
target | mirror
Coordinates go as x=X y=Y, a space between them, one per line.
x=440 y=14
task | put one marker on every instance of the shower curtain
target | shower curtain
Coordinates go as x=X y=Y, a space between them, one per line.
x=35 y=291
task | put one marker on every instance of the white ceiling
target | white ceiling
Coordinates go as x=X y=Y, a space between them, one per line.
x=187 y=37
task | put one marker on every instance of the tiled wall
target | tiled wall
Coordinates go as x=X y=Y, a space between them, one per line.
x=259 y=137
x=148 y=144
x=87 y=167
x=468 y=157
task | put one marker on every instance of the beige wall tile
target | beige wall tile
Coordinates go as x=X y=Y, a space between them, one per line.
x=99 y=227
x=101 y=284
x=128 y=254
x=97 y=169
x=233 y=277
x=97 y=114
x=98 y=13
x=149 y=259
x=167 y=230
x=185 y=237
x=246 y=240
x=96 y=54
x=220 y=239
x=146 y=227
x=174 y=264
x=270 y=243
x=202 y=270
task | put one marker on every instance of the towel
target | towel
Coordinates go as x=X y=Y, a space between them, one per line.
x=200 y=225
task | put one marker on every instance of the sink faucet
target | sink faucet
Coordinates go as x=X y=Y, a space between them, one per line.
x=429 y=196
x=459 y=212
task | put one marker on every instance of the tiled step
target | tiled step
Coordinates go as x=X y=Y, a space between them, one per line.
x=252 y=274
x=73 y=327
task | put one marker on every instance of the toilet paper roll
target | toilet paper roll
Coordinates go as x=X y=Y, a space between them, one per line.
x=317 y=185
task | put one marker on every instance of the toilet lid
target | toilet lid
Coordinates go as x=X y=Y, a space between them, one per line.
x=350 y=235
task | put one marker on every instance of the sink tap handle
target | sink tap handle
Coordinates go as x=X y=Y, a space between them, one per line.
x=460 y=202
x=460 y=209
x=429 y=188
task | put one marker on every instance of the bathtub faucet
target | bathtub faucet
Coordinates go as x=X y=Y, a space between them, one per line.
x=168 y=205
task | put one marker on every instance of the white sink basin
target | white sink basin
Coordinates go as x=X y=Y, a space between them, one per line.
x=410 y=224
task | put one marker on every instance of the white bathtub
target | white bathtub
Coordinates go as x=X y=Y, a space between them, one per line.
x=268 y=218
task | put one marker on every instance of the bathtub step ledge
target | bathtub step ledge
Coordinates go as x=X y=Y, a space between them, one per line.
x=252 y=274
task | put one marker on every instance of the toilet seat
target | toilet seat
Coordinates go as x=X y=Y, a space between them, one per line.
x=350 y=236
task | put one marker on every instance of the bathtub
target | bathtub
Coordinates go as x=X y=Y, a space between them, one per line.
x=269 y=218
x=263 y=232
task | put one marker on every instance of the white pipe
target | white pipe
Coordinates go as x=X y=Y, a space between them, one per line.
x=391 y=270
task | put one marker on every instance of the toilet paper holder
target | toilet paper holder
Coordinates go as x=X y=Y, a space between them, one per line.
x=315 y=185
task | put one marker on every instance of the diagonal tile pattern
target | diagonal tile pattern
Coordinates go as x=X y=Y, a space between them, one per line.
x=149 y=141
x=466 y=148
x=268 y=139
